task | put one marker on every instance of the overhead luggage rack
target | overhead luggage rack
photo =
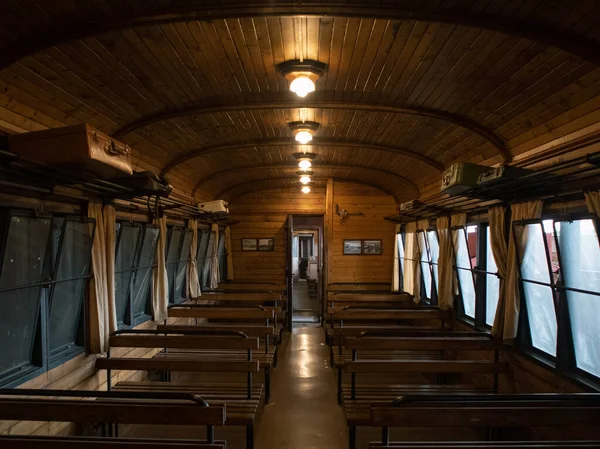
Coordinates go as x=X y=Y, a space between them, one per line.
x=566 y=180
x=23 y=177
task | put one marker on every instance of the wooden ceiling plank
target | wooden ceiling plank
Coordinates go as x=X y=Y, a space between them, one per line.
x=236 y=171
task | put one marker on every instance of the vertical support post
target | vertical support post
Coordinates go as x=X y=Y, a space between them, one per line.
x=385 y=436
x=108 y=373
x=250 y=436
x=353 y=388
x=352 y=437
x=339 y=386
x=496 y=381
x=210 y=434
x=249 y=375
x=267 y=385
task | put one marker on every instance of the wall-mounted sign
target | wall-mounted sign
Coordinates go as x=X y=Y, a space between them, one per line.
x=249 y=244
x=352 y=247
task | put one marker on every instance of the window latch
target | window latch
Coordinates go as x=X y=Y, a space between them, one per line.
x=46 y=282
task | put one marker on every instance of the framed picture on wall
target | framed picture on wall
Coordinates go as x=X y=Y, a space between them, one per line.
x=266 y=244
x=372 y=247
x=352 y=247
x=249 y=244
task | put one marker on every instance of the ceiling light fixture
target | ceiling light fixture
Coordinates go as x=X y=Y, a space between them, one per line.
x=302 y=75
x=305 y=179
x=303 y=131
x=304 y=162
x=305 y=189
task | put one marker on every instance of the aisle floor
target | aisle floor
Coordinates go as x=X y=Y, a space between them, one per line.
x=303 y=413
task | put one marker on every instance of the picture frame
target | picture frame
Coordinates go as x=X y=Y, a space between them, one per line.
x=249 y=244
x=266 y=244
x=352 y=247
x=372 y=247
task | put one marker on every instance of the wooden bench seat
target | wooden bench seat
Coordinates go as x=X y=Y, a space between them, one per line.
x=489 y=445
x=64 y=442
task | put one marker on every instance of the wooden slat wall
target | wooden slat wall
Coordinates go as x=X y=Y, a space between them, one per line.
x=263 y=215
x=375 y=205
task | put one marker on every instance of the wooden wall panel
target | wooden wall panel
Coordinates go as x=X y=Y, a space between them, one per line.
x=264 y=215
x=374 y=205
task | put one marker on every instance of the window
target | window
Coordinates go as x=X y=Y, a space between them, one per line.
x=537 y=283
x=560 y=279
x=142 y=277
x=207 y=259
x=223 y=256
x=402 y=258
x=175 y=237
x=179 y=290
x=580 y=256
x=70 y=252
x=25 y=241
x=477 y=273
x=429 y=247
x=464 y=244
x=44 y=268
x=128 y=240
x=203 y=237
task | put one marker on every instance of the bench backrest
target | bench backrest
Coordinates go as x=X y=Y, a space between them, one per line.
x=422 y=342
x=424 y=366
x=250 y=331
x=174 y=364
x=488 y=445
x=216 y=312
x=485 y=414
x=255 y=297
x=370 y=297
x=191 y=341
x=376 y=314
x=62 y=442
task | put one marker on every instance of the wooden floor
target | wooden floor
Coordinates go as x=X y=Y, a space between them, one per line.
x=303 y=413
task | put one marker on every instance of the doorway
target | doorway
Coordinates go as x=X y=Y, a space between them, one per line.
x=306 y=239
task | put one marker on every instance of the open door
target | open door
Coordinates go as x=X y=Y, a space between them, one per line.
x=289 y=272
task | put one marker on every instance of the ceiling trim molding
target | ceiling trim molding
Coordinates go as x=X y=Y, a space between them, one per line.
x=222 y=194
x=454 y=119
x=294 y=167
x=71 y=29
x=289 y=142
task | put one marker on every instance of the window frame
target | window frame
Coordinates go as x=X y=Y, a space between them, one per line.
x=401 y=260
x=178 y=267
x=564 y=363
x=433 y=300
x=479 y=274
x=146 y=315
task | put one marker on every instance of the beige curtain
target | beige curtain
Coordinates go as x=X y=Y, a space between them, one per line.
x=592 y=199
x=160 y=280
x=497 y=230
x=506 y=324
x=215 y=276
x=412 y=267
x=229 y=251
x=455 y=221
x=193 y=284
x=103 y=318
x=396 y=267
x=445 y=264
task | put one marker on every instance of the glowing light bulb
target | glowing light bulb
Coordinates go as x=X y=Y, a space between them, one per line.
x=305 y=189
x=302 y=86
x=303 y=137
x=304 y=164
x=305 y=179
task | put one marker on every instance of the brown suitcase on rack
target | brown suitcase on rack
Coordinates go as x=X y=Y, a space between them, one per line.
x=78 y=147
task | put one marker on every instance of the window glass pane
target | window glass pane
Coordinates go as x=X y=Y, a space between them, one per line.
x=539 y=298
x=206 y=267
x=22 y=264
x=492 y=285
x=172 y=258
x=222 y=257
x=143 y=277
x=465 y=276
x=202 y=247
x=434 y=250
x=401 y=252
x=182 y=266
x=68 y=291
x=580 y=255
x=425 y=269
x=124 y=260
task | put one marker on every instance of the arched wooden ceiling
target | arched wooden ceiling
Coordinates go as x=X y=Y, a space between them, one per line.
x=410 y=87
